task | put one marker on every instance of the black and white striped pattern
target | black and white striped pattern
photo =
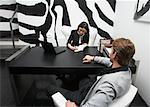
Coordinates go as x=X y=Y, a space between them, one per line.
x=7 y=8
x=45 y=17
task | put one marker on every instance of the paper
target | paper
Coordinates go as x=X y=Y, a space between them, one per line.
x=59 y=100
x=80 y=48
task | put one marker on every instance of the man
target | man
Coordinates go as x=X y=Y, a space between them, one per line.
x=114 y=82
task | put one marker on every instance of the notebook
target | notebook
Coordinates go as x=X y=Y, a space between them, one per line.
x=49 y=48
x=59 y=100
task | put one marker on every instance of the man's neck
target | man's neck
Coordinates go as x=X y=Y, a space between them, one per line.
x=116 y=65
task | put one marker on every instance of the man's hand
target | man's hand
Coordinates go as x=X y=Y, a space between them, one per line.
x=70 y=104
x=88 y=59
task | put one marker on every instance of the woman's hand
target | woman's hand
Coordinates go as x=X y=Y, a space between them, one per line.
x=88 y=59
x=72 y=47
x=70 y=104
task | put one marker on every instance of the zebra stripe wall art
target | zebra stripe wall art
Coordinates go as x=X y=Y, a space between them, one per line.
x=44 y=19
x=7 y=8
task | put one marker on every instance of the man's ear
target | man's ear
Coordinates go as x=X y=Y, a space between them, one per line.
x=114 y=55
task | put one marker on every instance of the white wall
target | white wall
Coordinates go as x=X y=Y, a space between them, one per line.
x=139 y=33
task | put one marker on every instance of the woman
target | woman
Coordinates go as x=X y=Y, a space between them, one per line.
x=79 y=37
x=77 y=41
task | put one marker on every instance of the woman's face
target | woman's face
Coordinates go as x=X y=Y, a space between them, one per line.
x=82 y=31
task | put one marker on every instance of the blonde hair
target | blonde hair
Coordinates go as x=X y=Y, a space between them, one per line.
x=124 y=49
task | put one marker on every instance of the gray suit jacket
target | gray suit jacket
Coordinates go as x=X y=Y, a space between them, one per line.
x=108 y=87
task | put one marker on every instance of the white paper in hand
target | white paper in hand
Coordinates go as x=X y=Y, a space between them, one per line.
x=59 y=100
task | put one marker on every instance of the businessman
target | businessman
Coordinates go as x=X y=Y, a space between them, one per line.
x=113 y=83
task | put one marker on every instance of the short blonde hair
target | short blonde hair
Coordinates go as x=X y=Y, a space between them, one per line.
x=124 y=49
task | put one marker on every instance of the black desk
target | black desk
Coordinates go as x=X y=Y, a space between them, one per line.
x=35 y=61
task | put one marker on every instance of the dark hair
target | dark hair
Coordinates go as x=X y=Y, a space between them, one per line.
x=84 y=25
x=125 y=50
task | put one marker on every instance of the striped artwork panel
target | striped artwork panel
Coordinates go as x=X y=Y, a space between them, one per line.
x=45 y=18
x=7 y=8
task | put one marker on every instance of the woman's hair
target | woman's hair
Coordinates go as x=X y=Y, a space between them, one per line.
x=124 y=49
x=84 y=25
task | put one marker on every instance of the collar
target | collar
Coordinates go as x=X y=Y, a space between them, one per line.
x=122 y=68
x=113 y=70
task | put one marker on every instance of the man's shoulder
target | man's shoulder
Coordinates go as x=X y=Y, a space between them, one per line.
x=122 y=75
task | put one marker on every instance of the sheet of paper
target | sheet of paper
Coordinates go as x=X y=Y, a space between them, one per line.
x=59 y=100
x=80 y=48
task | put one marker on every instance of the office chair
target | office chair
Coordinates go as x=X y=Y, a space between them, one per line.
x=126 y=99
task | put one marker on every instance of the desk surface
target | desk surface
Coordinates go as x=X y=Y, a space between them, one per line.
x=36 y=61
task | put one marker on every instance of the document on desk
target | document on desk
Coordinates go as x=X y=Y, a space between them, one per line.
x=59 y=100
x=80 y=47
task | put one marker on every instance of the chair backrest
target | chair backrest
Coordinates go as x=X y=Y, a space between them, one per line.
x=126 y=99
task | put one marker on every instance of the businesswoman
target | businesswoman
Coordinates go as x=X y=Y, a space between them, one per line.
x=78 y=37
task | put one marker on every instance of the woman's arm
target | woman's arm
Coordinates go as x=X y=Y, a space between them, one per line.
x=69 y=42
x=86 y=39
x=71 y=47
x=70 y=39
